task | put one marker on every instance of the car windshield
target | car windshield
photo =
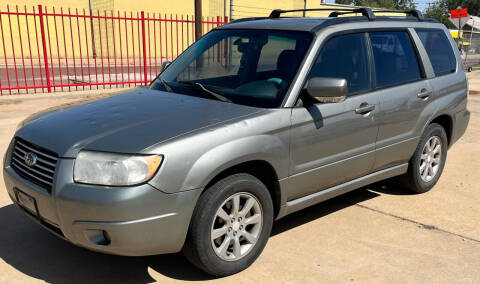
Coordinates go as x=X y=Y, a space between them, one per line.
x=250 y=67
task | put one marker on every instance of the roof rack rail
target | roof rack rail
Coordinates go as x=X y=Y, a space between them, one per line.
x=367 y=12
x=415 y=13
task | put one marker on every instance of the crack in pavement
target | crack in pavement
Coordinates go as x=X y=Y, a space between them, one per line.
x=425 y=226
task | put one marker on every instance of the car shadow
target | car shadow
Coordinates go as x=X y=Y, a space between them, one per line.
x=390 y=187
x=31 y=249
x=34 y=251
x=322 y=209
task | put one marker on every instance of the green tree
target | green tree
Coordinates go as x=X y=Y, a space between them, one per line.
x=404 y=4
x=440 y=14
x=440 y=10
x=473 y=6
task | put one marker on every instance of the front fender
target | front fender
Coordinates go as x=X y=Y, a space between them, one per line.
x=193 y=160
x=268 y=148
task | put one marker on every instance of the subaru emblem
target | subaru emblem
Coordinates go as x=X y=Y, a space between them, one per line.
x=30 y=159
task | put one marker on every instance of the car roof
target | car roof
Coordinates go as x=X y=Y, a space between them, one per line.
x=310 y=24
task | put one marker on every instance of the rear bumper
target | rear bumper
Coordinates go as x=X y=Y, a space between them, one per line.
x=134 y=221
x=461 y=122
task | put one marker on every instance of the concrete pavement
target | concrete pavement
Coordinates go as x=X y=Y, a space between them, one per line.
x=474 y=82
x=377 y=234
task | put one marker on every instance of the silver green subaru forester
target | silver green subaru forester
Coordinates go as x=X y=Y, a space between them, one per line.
x=293 y=112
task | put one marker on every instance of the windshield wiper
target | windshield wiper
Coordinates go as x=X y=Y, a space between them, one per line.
x=212 y=92
x=166 y=85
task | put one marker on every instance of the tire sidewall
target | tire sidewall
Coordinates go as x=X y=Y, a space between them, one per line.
x=432 y=130
x=204 y=216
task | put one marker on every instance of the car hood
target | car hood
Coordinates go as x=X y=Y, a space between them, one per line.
x=125 y=123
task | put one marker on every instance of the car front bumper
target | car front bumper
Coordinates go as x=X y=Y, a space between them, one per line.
x=139 y=220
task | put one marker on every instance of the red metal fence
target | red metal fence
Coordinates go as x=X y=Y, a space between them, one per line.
x=61 y=50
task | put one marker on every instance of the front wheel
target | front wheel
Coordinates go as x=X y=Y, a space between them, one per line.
x=230 y=225
x=426 y=165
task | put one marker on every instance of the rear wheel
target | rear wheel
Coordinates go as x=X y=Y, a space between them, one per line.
x=426 y=165
x=230 y=226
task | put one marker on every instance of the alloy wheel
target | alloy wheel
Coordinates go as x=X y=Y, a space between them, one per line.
x=237 y=226
x=430 y=159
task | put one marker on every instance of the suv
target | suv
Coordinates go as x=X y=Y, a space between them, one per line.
x=258 y=119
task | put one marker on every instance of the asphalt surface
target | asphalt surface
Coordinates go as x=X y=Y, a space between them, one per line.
x=377 y=234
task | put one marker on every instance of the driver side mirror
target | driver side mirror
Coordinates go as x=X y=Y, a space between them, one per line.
x=327 y=90
x=165 y=65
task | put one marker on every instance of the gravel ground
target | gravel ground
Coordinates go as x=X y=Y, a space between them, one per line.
x=377 y=234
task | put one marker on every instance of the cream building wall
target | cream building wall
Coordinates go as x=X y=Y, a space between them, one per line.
x=241 y=8
x=84 y=35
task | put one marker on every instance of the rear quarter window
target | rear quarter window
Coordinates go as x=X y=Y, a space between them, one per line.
x=439 y=50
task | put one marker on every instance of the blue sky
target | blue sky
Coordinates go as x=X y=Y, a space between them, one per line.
x=423 y=4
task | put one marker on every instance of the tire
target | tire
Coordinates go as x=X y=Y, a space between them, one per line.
x=470 y=69
x=206 y=253
x=416 y=179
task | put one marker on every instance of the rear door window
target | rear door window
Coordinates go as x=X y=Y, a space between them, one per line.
x=439 y=51
x=395 y=58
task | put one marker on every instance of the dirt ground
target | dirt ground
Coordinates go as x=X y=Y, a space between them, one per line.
x=376 y=234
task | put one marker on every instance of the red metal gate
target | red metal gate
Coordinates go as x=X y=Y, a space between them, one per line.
x=57 y=50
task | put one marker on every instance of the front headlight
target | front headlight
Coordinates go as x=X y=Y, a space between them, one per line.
x=114 y=169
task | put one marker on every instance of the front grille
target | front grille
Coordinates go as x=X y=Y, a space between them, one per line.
x=42 y=172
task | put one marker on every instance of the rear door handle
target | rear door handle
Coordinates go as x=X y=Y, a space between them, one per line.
x=364 y=108
x=424 y=94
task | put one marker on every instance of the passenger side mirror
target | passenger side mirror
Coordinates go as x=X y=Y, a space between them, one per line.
x=165 y=65
x=327 y=90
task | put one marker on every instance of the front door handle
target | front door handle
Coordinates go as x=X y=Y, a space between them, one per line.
x=424 y=94
x=364 y=108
